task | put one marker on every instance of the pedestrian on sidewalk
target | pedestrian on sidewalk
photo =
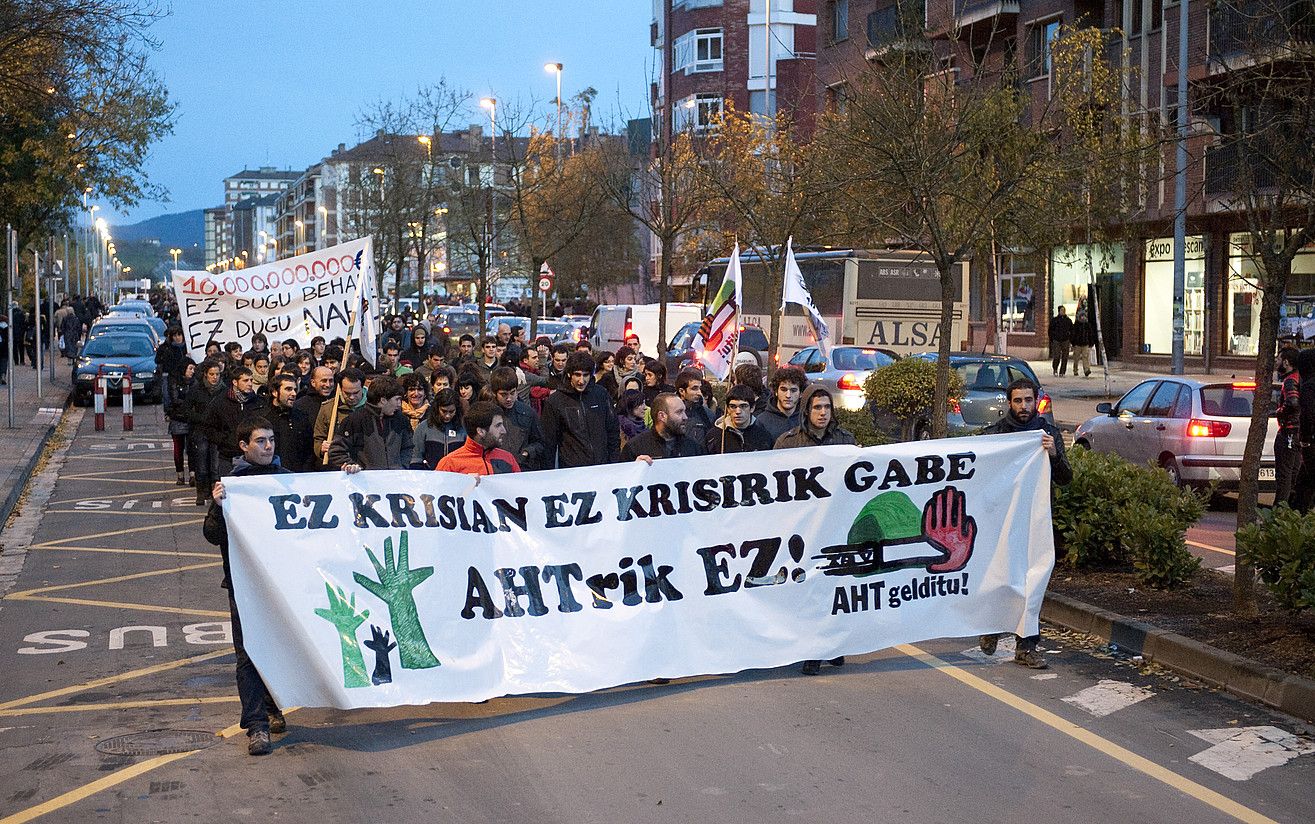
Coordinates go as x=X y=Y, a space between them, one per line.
x=1023 y=417
x=1084 y=337
x=4 y=351
x=1287 y=444
x=1060 y=336
x=18 y=331
x=177 y=386
x=260 y=714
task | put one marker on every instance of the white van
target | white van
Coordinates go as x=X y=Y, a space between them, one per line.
x=610 y=325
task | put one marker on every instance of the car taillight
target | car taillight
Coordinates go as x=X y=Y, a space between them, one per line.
x=1043 y=405
x=1244 y=384
x=850 y=382
x=1197 y=428
x=447 y=330
x=954 y=406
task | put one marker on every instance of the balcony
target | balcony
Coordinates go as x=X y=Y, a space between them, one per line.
x=1223 y=165
x=898 y=26
x=1260 y=30
x=969 y=13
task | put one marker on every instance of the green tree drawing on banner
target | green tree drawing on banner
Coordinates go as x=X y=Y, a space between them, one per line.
x=394 y=588
x=343 y=615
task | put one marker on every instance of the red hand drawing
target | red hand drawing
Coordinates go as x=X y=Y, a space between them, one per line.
x=947 y=527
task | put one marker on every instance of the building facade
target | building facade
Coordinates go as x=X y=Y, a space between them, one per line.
x=1128 y=286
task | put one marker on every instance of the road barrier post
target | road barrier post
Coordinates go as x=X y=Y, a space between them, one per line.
x=127 y=400
x=98 y=393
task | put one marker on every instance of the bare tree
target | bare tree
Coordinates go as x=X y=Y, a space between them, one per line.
x=1261 y=93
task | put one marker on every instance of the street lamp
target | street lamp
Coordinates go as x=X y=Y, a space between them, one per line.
x=175 y=253
x=324 y=227
x=491 y=103
x=556 y=68
x=299 y=236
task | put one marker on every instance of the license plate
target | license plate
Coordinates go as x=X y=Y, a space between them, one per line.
x=1267 y=473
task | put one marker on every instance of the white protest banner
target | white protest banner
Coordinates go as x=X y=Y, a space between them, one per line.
x=389 y=588
x=317 y=293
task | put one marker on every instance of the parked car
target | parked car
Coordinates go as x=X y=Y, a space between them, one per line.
x=681 y=353
x=128 y=306
x=985 y=378
x=844 y=372
x=110 y=324
x=1195 y=430
x=114 y=355
x=451 y=324
x=610 y=325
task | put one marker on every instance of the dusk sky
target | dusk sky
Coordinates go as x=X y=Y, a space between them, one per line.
x=281 y=84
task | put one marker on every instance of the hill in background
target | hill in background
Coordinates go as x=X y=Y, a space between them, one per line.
x=180 y=229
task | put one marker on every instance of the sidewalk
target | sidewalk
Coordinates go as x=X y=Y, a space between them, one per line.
x=34 y=421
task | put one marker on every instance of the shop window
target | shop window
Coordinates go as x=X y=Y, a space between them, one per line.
x=1244 y=297
x=1018 y=292
x=1157 y=305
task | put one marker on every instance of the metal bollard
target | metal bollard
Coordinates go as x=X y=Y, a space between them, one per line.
x=127 y=401
x=98 y=398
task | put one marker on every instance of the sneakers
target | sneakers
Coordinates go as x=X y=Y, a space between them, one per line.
x=277 y=723
x=988 y=643
x=200 y=498
x=181 y=481
x=1030 y=659
x=258 y=743
x=811 y=668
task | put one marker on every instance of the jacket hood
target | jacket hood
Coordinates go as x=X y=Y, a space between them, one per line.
x=1306 y=364
x=241 y=466
x=806 y=397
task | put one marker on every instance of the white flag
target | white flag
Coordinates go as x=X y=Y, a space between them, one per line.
x=796 y=291
x=367 y=318
x=719 y=334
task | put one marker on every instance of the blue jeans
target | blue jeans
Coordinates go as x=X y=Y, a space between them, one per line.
x=257 y=703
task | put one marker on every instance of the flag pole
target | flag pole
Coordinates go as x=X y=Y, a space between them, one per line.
x=346 y=354
x=735 y=350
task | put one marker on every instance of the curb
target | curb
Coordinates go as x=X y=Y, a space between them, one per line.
x=11 y=501
x=1240 y=676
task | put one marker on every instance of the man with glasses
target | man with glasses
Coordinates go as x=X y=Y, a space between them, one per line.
x=738 y=430
x=579 y=427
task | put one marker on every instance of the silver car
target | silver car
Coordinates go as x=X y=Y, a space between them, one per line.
x=1195 y=430
x=844 y=373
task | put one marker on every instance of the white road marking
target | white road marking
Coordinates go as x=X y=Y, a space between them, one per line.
x=1108 y=697
x=1241 y=752
x=1228 y=569
x=1003 y=652
x=1045 y=676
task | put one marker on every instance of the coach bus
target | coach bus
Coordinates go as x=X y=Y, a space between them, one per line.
x=888 y=299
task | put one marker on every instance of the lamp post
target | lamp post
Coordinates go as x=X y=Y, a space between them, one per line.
x=491 y=103
x=323 y=233
x=175 y=253
x=298 y=236
x=556 y=68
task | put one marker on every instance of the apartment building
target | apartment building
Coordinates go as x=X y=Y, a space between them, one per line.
x=1130 y=284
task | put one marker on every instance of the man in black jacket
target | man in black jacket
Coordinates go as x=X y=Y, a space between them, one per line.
x=579 y=427
x=690 y=388
x=376 y=436
x=292 y=428
x=260 y=715
x=738 y=430
x=227 y=412
x=524 y=437
x=1061 y=333
x=1023 y=417
x=666 y=438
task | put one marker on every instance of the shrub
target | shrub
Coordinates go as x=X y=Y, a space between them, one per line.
x=1115 y=513
x=859 y=423
x=907 y=387
x=1281 y=546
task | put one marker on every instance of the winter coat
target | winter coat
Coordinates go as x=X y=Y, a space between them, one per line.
x=805 y=435
x=292 y=438
x=650 y=443
x=196 y=407
x=174 y=402
x=776 y=422
x=1306 y=369
x=726 y=439
x=169 y=357
x=1084 y=334
x=698 y=422
x=373 y=440
x=1061 y=329
x=579 y=428
x=320 y=432
x=225 y=415
x=215 y=529
x=432 y=442
x=473 y=459
x=1060 y=471
x=524 y=438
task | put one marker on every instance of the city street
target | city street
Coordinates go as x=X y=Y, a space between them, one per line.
x=119 y=704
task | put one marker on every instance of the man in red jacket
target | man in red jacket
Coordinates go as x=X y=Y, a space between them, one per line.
x=481 y=454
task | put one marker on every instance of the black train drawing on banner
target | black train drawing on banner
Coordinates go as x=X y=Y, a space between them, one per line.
x=891 y=519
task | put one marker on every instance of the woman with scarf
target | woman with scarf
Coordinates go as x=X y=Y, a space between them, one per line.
x=415 y=399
